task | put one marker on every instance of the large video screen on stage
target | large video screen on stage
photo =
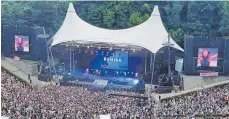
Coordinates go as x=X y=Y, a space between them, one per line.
x=207 y=57
x=21 y=43
x=117 y=60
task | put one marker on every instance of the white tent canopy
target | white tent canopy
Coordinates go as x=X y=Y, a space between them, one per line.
x=150 y=35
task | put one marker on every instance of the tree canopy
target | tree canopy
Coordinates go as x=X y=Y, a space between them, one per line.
x=185 y=17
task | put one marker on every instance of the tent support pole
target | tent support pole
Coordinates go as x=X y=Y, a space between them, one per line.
x=169 y=69
x=49 y=51
x=151 y=83
x=145 y=61
x=52 y=60
x=70 y=63
x=73 y=59
x=151 y=56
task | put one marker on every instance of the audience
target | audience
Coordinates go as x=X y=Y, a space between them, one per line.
x=208 y=101
x=64 y=102
x=52 y=101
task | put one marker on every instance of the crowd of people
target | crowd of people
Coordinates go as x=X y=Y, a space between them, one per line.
x=23 y=101
x=208 y=101
x=53 y=101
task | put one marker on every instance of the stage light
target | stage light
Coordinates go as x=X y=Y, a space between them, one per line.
x=133 y=50
x=87 y=69
x=136 y=74
x=88 y=47
x=99 y=47
x=135 y=82
x=111 y=48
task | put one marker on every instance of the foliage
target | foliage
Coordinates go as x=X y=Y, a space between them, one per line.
x=179 y=18
x=224 y=23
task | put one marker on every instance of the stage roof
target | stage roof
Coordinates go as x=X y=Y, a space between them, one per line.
x=150 y=35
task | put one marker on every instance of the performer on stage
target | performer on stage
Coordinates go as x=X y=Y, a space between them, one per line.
x=20 y=44
x=205 y=58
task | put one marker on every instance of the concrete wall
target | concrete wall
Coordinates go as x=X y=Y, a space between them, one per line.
x=191 y=82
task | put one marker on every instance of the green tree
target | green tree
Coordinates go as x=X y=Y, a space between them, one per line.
x=34 y=13
x=135 y=19
x=177 y=35
x=224 y=23
x=188 y=17
x=172 y=13
x=202 y=18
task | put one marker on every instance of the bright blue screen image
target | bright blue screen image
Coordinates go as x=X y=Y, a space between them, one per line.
x=105 y=59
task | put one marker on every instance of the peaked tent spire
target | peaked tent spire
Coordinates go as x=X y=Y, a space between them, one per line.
x=150 y=35
x=71 y=8
x=155 y=11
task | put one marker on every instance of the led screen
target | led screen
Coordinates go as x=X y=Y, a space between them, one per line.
x=21 y=43
x=115 y=60
x=207 y=57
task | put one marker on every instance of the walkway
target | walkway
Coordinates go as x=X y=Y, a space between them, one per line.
x=19 y=69
x=173 y=94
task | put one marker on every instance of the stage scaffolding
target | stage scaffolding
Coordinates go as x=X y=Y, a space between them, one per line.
x=71 y=45
x=50 y=60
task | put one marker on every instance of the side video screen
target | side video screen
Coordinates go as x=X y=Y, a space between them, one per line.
x=207 y=57
x=21 y=43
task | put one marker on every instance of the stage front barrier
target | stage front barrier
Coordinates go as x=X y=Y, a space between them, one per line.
x=57 y=78
x=164 y=89
x=120 y=88
x=45 y=78
x=100 y=83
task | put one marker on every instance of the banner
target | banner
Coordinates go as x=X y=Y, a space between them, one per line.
x=179 y=65
x=3 y=117
x=100 y=82
x=16 y=58
x=209 y=74
x=104 y=116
